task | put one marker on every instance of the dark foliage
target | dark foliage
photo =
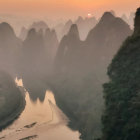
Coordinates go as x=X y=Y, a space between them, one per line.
x=122 y=94
x=11 y=100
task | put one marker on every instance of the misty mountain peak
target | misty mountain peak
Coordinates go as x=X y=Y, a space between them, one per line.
x=79 y=20
x=113 y=12
x=109 y=25
x=74 y=31
x=107 y=16
x=6 y=30
x=32 y=32
x=47 y=31
x=69 y=22
x=5 y=25
x=137 y=22
x=50 y=33
x=39 y=25
x=32 y=35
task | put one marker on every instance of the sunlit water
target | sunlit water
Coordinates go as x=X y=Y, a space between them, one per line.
x=50 y=122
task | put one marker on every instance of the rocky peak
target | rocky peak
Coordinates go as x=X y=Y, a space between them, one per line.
x=6 y=30
x=137 y=22
x=79 y=20
x=107 y=17
x=74 y=31
x=31 y=33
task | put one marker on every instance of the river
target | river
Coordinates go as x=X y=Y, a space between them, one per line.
x=40 y=121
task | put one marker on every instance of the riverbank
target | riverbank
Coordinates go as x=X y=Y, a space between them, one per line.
x=43 y=119
x=15 y=114
x=81 y=102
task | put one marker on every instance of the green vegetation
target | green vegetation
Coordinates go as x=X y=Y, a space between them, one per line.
x=122 y=94
x=11 y=100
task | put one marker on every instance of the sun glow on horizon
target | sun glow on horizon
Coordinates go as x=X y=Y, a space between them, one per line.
x=89 y=15
x=66 y=8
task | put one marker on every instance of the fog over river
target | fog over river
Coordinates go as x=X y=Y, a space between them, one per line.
x=40 y=120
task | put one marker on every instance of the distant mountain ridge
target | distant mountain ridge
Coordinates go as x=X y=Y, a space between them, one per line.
x=103 y=40
x=80 y=70
x=84 y=26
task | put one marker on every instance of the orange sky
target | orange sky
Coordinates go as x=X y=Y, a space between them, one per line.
x=66 y=8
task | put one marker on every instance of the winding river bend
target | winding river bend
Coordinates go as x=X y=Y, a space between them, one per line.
x=41 y=121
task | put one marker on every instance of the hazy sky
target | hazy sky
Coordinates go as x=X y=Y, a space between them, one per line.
x=66 y=8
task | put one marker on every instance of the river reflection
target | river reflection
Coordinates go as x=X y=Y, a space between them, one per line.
x=41 y=120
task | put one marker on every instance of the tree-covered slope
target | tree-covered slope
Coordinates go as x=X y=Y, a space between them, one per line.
x=121 y=119
x=11 y=100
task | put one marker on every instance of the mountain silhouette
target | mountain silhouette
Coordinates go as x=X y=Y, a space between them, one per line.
x=101 y=44
x=104 y=40
x=51 y=44
x=137 y=22
x=9 y=48
x=121 y=93
x=36 y=60
x=66 y=28
x=67 y=50
x=39 y=25
x=85 y=25
x=33 y=64
x=80 y=68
